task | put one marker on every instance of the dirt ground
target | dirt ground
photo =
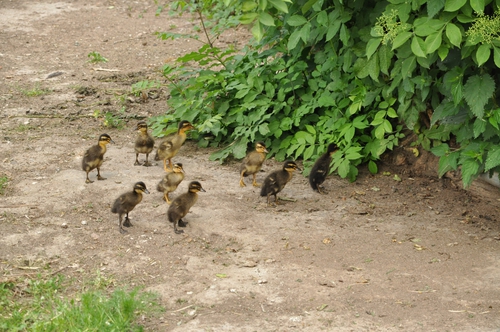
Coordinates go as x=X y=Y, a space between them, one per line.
x=419 y=254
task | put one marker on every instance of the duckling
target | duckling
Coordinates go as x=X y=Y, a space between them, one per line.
x=276 y=181
x=181 y=205
x=252 y=163
x=171 y=145
x=127 y=202
x=93 y=157
x=321 y=168
x=144 y=143
x=170 y=181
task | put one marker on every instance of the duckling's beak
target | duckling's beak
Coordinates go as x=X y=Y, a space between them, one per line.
x=203 y=190
x=265 y=150
x=146 y=191
x=298 y=169
x=111 y=141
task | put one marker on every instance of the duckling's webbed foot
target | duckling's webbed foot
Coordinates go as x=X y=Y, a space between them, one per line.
x=122 y=231
x=177 y=231
x=100 y=178
x=127 y=222
x=147 y=164
x=137 y=163
x=182 y=223
x=88 y=181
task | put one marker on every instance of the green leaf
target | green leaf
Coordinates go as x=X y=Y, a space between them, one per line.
x=479 y=127
x=279 y=5
x=401 y=39
x=322 y=18
x=493 y=158
x=384 y=58
x=408 y=66
x=248 y=18
x=308 y=152
x=434 y=7
x=247 y=6
x=496 y=56
x=373 y=68
x=470 y=168
x=305 y=32
x=372 y=46
x=448 y=163
x=372 y=167
x=432 y=42
x=440 y=150
x=453 y=5
x=343 y=169
x=418 y=47
x=482 y=54
x=308 y=5
x=294 y=39
x=477 y=5
x=454 y=35
x=257 y=31
x=240 y=148
x=477 y=91
x=443 y=52
x=296 y=20
x=266 y=19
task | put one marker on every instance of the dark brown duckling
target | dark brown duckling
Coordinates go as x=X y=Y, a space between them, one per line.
x=276 y=181
x=127 y=202
x=171 y=145
x=252 y=163
x=181 y=205
x=321 y=168
x=144 y=143
x=170 y=181
x=93 y=157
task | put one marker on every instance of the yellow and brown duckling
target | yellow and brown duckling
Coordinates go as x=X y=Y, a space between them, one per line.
x=252 y=163
x=93 y=157
x=127 y=202
x=170 y=181
x=143 y=144
x=321 y=168
x=181 y=205
x=276 y=181
x=171 y=145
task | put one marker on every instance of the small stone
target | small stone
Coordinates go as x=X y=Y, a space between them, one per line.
x=261 y=282
x=64 y=225
x=84 y=222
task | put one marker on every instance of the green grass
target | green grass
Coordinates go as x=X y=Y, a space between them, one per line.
x=36 y=91
x=96 y=57
x=42 y=304
x=3 y=184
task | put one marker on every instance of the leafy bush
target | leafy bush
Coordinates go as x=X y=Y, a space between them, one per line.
x=352 y=72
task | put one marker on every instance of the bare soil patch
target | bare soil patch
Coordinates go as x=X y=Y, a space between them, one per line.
x=374 y=255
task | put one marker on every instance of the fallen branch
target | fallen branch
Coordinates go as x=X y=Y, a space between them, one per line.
x=105 y=69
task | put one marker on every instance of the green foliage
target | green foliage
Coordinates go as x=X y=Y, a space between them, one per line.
x=144 y=86
x=109 y=119
x=39 y=305
x=353 y=72
x=96 y=57
x=4 y=181
x=36 y=91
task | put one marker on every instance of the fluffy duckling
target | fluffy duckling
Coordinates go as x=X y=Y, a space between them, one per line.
x=321 y=168
x=144 y=143
x=181 y=205
x=93 y=157
x=127 y=202
x=276 y=181
x=171 y=145
x=170 y=181
x=253 y=163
